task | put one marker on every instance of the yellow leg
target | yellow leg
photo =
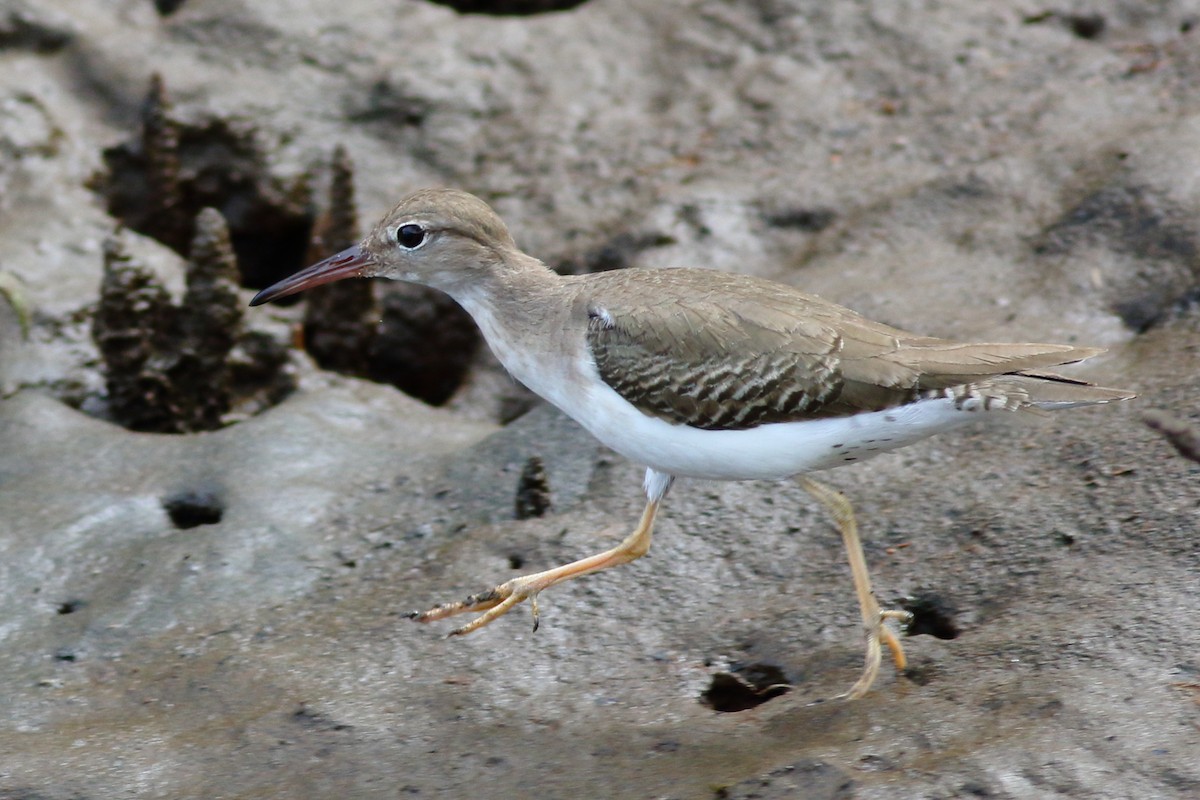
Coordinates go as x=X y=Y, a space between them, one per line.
x=873 y=616
x=499 y=601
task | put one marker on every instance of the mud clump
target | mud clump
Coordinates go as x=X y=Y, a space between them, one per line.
x=341 y=318
x=168 y=368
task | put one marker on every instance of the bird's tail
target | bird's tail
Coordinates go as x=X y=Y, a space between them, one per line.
x=1049 y=391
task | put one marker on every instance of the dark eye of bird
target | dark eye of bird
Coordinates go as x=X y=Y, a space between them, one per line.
x=410 y=235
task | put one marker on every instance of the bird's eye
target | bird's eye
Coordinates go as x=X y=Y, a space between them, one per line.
x=410 y=236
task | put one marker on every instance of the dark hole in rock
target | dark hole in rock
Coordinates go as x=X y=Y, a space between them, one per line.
x=516 y=560
x=509 y=8
x=745 y=687
x=272 y=248
x=932 y=614
x=1086 y=26
x=65 y=655
x=70 y=606
x=167 y=7
x=193 y=509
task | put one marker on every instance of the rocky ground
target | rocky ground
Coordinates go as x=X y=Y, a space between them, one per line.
x=220 y=613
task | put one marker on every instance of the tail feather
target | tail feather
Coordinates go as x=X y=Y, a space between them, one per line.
x=1051 y=391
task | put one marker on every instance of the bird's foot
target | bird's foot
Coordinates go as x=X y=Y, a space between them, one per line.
x=903 y=618
x=877 y=635
x=499 y=601
x=494 y=602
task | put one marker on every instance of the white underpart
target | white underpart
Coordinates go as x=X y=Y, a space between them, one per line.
x=767 y=452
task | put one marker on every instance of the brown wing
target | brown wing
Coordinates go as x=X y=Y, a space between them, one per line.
x=719 y=351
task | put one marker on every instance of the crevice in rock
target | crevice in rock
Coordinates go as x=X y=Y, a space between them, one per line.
x=744 y=687
x=932 y=614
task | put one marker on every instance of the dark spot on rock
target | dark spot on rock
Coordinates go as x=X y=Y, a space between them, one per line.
x=932 y=614
x=65 y=655
x=516 y=561
x=745 y=687
x=533 y=490
x=812 y=220
x=70 y=606
x=1086 y=26
x=975 y=789
x=192 y=509
x=313 y=719
x=509 y=8
x=168 y=7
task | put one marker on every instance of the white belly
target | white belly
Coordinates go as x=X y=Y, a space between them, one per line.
x=768 y=452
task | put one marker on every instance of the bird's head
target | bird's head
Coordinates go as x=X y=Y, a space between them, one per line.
x=443 y=238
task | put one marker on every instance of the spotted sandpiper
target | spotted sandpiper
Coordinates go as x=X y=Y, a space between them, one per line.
x=701 y=374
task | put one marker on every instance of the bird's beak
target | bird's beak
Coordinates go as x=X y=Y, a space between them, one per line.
x=350 y=263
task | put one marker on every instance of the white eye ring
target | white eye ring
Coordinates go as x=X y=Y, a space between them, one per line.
x=410 y=236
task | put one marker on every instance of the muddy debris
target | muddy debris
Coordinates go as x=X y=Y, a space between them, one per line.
x=172 y=369
x=341 y=318
x=533 y=490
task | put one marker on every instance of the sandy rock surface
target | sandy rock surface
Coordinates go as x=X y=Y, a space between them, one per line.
x=221 y=614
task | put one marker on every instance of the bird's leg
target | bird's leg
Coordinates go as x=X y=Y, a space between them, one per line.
x=873 y=616
x=499 y=601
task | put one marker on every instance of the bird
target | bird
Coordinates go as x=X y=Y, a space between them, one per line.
x=701 y=374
